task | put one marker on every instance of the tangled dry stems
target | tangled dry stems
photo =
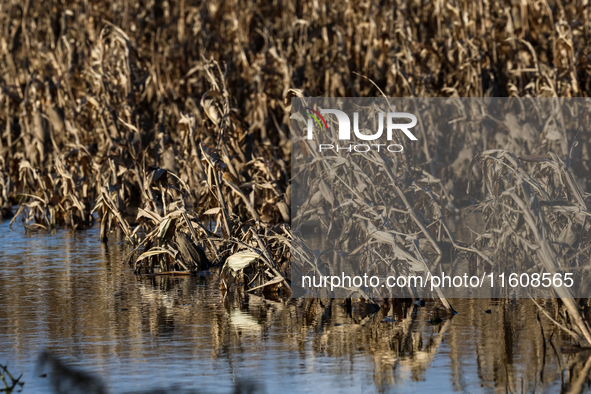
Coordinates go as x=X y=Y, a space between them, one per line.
x=171 y=119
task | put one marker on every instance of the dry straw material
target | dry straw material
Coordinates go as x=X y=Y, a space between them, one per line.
x=169 y=121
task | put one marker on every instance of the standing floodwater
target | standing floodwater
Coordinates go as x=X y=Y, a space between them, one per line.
x=69 y=294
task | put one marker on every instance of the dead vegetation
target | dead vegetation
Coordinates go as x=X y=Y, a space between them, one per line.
x=10 y=383
x=169 y=121
x=537 y=221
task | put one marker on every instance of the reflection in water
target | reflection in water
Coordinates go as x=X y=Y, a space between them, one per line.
x=69 y=294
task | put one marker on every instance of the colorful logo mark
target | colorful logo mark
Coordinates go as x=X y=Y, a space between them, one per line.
x=315 y=118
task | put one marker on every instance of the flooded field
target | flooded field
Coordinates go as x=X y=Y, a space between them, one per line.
x=69 y=294
x=140 y=139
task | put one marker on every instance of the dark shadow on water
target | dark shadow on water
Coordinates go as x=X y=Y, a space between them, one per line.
x=65 y=379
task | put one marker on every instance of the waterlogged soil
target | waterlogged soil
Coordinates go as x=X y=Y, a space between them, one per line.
x=68 y=293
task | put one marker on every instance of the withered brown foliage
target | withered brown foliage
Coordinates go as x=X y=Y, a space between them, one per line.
x=170 y=117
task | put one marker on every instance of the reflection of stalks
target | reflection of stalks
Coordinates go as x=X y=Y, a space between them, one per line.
x=577 y=385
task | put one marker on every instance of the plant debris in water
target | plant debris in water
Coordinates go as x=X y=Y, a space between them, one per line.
x=169 y=122
x=10 y=383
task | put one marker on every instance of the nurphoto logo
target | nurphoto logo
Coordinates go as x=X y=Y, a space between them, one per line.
x=344 y=123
